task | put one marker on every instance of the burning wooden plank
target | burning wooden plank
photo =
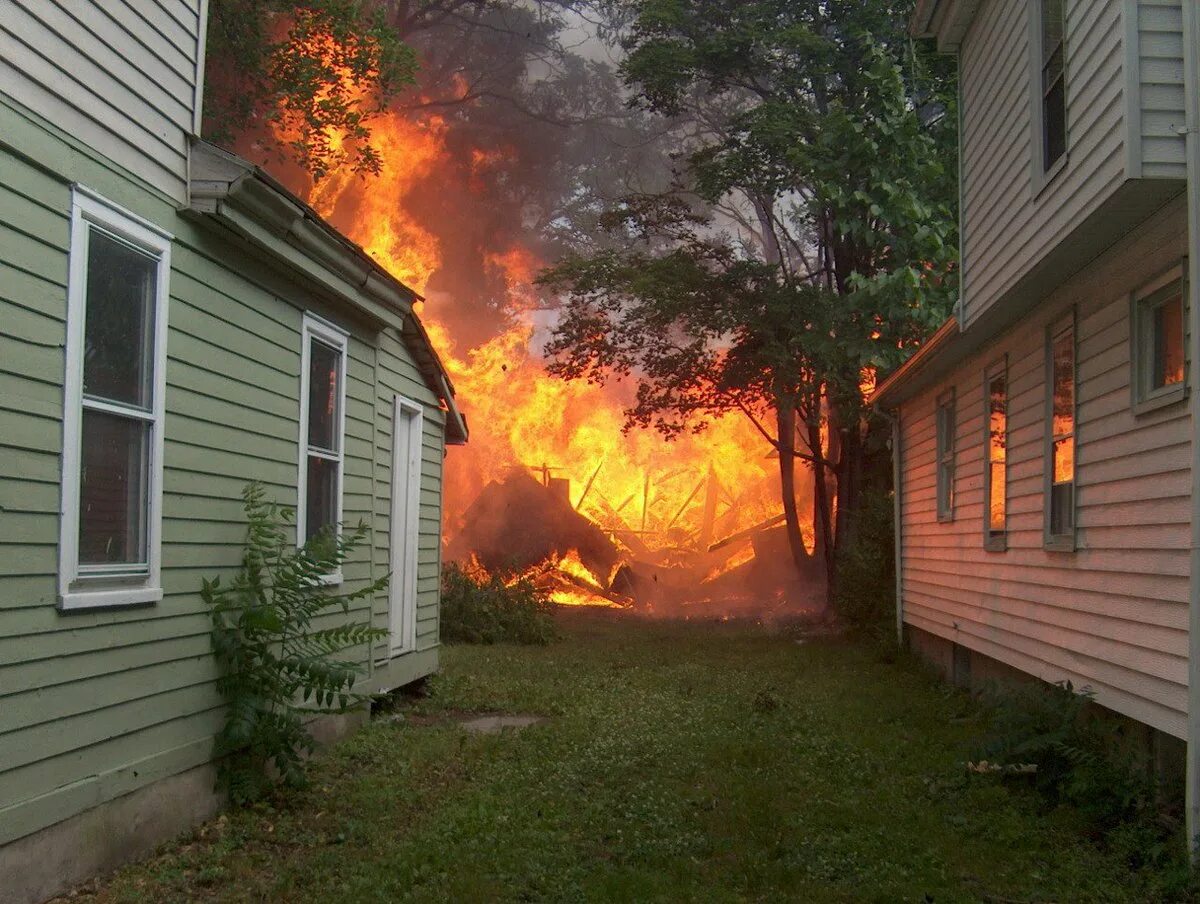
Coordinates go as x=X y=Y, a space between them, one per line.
x=748 y=532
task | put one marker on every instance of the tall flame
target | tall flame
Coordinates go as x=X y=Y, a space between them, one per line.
x=651 y=495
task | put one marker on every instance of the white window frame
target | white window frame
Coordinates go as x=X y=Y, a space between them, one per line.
x=323 y=331
x=945 y=429
x=1065 y=541
x=1043 y=175
x=1141 y=354
x=994 y=540
x=111 y=585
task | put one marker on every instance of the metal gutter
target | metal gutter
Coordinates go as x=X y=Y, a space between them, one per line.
x=1191 y=79
x=945 y=20
x=898 y=519
x=897 y=516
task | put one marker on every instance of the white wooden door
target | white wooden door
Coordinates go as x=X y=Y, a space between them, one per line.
x=405 y=524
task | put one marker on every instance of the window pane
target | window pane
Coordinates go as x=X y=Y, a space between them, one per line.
x=1064 y=460
x=1168 y=343
x=113 y=489
x=945 y=427
x=1062 y=509
x=997 y=451
x=118 y=358
x=1064 y=383
x=1054 y=121
x=324 y=373
x=1052 y=26
x=945 y=487
x=997 y=501
x=321 y=502
x=997 y=419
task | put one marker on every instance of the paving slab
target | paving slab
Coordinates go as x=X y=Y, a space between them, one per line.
x=497 y=724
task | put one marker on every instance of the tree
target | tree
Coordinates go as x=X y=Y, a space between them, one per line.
x=303 y=79
x=808 y=243
x=309 y=70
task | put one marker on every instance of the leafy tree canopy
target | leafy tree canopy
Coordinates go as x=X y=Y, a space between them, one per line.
x=809 y=237
x=313 y=72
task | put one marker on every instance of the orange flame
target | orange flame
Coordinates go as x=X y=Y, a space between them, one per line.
x=650 y=495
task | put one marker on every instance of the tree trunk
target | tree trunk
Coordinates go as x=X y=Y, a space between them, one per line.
x=849 y=489
x=786 y=419
x=821 y=499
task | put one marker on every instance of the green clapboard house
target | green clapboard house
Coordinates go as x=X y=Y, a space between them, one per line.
x=173 y=324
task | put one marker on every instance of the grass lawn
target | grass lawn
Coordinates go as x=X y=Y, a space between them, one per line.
x=679 y=762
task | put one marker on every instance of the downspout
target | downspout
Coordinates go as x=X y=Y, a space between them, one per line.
x=897 y=517
x=1191 y=47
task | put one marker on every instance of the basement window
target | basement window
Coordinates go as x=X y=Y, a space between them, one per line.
x=1158 y=344
x=995 y=474
x=322 y=432
x=114 y=391
x=945 y=456
x=1060 y=427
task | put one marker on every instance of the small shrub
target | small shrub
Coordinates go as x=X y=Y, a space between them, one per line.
x=1083 y=760
x=276 y=668
x=483 y=608
x=866 y=569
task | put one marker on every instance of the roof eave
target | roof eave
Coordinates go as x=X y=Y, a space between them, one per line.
x=258 y=207
x=888 y=393
x=945 y=20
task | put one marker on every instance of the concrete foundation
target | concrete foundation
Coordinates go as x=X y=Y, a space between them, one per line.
x=97 y=841
x=1163 y=754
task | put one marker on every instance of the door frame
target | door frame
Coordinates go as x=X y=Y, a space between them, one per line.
x=404 y=538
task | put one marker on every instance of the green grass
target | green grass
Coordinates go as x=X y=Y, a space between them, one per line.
x=680 y=762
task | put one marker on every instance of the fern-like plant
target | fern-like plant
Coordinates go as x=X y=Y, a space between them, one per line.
x=276 y=667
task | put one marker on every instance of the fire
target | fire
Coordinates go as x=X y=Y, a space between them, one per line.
x=648 y=492
x=589 y=592
x=738 y=559
x=572 y=565
x=373 y=213
x=518 y=266
x=653 y=498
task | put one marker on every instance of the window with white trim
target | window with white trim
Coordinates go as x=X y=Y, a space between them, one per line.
x=1060 y=426
x=1159 y=343
x=945 y=455
x=1053 y=81
x=995 y=472
x=114 y=391
x=322 y=430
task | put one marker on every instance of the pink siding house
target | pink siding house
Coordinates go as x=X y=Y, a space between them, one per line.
x=1044 y=438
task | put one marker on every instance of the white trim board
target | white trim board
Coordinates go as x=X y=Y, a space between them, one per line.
x=404 y=524
x=314 y=327
x=138 y=583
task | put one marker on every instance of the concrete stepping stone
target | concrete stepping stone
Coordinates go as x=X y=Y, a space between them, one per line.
x=497 y=724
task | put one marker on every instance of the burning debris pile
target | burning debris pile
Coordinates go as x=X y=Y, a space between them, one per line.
x=520 y=526
x=525 y=527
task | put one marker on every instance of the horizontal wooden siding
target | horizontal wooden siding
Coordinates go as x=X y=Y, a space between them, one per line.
x=97 y=703
x=1009 y=222
x=121 y=75
x=1113 y=615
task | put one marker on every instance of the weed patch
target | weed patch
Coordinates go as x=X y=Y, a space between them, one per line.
x=484 y=609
